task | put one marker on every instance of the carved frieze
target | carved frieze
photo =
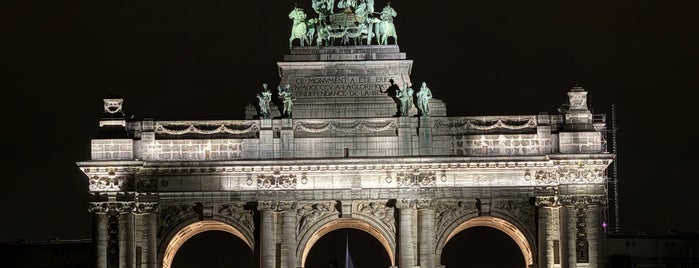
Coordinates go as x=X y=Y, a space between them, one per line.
x=448 y=211
x=106 y=183
x=238 y=213
x=567 y=175
x=379 y=211
x=276 y=181
x=416 y=179
x=308 y=214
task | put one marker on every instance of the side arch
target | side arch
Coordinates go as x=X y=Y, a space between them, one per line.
x=501 y=222
x=179 y=234
x=329 y=224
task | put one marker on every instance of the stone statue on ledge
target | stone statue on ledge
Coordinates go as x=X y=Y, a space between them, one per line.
x=405 y=95
x=423 y=99
x=287 y=98
x=265 y=98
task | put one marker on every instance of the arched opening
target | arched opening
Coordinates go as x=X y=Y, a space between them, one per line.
x=515 y=235
x=205 y=250
x=196 y=228
x=354 y=224
x=330 y=250
x=482 y=246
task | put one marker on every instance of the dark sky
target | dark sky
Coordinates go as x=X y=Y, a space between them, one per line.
x=208 y=58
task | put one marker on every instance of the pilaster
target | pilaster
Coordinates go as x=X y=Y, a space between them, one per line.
x=425 y=135
x=405 y=135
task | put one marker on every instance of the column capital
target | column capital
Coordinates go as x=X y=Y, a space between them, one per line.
x=111 y=207
x=547 y=201
x=276 y=205
x=146 y=207
x=406 y=203
x=582 y=200
x=425 y=203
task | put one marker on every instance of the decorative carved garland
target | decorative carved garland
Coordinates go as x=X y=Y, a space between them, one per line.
x=361 y=125
x=485 y=125
x=222 y=128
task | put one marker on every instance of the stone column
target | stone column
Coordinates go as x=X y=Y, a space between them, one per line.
x=123 y=259
x=407 y=232
x=594 y=234
x=427 y=234
x=149 y=223
x=546 y=230
x=289 y=236
x=267 y=236
x=100 y=239
x=130 y=240
x=568 y=231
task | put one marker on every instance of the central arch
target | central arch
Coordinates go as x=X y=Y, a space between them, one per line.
x=506 y=227
x=347 y=224
x=193 y=229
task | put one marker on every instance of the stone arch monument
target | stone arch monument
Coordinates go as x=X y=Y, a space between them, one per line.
x=347 y=159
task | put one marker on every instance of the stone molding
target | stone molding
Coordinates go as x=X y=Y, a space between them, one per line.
x=582 y=200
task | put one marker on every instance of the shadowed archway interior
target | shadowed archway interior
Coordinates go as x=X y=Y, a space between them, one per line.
x=329 y=250
x=482 y=246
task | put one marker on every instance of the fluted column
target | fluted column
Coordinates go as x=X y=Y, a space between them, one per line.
x=407 y=233
x=148 y=212
x=427 y=233
x=122 y=240
x=288 y=234
x=567 y=234
x=546 y=230
x=594 y=234
x=130 y=240
x=267 y=235
x=99 y=237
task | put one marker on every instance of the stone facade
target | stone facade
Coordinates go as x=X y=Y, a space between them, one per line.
x=345 y=160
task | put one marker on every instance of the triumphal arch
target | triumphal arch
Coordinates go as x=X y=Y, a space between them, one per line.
x=347 y=140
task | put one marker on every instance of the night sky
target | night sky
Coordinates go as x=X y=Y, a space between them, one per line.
x=208 y=58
